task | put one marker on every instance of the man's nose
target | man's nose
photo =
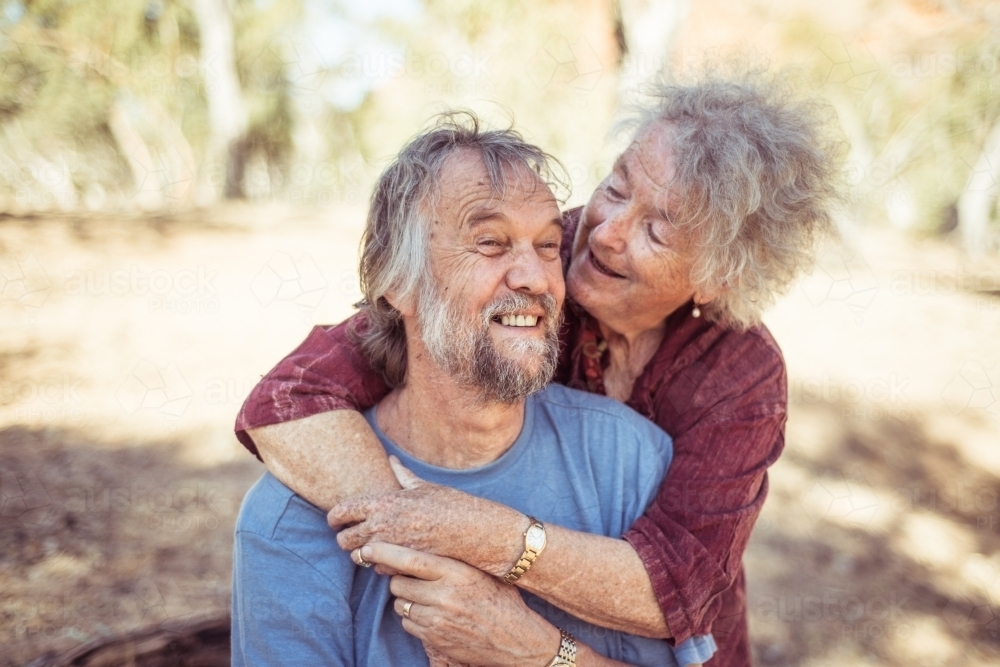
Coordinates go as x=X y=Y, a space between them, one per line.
x=528 y=274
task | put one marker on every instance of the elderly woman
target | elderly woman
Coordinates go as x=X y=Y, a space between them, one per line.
x=710 y=212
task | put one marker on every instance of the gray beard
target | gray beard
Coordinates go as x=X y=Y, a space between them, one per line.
x=468 y=353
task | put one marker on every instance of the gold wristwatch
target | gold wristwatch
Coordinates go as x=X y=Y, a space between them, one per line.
x=567 y=651
x=534 y=542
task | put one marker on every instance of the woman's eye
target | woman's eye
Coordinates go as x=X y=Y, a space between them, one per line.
x=652 y=235
x=615 y=194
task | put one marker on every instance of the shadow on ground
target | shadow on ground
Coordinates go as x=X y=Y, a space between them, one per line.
x=881 y=548
x=101 y=538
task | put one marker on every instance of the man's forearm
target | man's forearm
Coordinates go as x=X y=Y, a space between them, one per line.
x=327 y=457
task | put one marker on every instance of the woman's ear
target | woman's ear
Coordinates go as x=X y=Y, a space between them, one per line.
x=705 y=296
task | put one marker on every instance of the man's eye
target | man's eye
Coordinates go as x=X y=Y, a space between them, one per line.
x=615 y=194
x=491 y=245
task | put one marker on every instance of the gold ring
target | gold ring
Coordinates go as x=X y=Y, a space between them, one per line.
x=406 y=608
x=362 y=562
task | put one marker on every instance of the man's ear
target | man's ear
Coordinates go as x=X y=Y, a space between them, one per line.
x=407 y=306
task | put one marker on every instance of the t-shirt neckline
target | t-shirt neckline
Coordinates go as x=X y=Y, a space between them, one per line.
x=451 y=476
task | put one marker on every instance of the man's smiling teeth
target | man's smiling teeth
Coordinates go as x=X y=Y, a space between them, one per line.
x=518 y=320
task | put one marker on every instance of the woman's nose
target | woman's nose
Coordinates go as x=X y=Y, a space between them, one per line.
x=610 y=233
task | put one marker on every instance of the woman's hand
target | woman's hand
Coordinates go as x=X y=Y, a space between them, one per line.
x=463 y=614
x=433 y=519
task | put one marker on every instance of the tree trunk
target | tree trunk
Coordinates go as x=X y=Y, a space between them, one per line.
x=980 y=192
x=227 y=110
x=649 y=31
x=145 y=177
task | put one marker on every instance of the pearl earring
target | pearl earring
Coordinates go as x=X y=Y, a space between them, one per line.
x=696 y=312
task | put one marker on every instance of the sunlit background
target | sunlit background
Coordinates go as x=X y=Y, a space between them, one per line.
x=182 y=189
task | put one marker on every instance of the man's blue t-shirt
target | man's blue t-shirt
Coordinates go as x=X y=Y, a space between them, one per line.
x=581 y=461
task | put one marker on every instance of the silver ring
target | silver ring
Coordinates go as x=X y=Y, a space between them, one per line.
x=406 y=608
x=362 y=562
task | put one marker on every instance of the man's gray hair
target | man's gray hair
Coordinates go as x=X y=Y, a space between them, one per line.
x=395 y=244
x=756 y=177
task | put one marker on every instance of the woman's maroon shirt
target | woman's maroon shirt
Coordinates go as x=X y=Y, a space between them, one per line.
x=721 y=394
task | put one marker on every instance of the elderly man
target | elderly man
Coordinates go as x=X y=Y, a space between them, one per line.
x=464 y=288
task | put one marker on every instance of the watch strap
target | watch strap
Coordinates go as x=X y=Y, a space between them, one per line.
x=567 y=651
x=527 y=557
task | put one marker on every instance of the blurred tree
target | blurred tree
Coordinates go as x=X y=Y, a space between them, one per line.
x=648 y=30
x=921 y=121
x=229 y=119
x=135 y=102
x=978 y=201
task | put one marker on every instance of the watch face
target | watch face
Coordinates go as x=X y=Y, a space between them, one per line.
x=535 y=539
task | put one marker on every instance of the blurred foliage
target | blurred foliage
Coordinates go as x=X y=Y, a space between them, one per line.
x=66 y=64
x=261 y=68
x=547 y=66
x=916 y=114
x=916 y=119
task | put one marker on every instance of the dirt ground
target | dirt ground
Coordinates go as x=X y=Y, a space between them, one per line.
x=127 y=346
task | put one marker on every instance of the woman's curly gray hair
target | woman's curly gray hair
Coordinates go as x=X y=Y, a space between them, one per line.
x=756 y=178
x=395 y=245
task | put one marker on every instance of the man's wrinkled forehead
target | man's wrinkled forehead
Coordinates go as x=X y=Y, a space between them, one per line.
x=466 y=194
